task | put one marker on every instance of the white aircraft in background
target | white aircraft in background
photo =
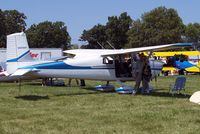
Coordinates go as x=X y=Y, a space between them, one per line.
x=94 y=64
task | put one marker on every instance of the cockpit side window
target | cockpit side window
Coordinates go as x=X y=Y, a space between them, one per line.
x=107 y=60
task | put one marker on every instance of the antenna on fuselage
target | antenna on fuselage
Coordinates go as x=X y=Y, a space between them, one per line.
x=100 y=45
x=110 y=45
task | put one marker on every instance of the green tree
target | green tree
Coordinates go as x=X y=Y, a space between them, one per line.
x=48 y=34
x=136 y=34
x=14 y=21
x=159 y=26
x=73 y=46
x=94 y=36
x=2 y=29
x=192 y=32
x=115 y=31
x=117 y=28
x=11 y=21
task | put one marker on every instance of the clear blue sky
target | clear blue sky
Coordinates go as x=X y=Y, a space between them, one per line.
x=84 y=14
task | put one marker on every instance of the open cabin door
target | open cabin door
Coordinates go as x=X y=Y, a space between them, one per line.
x=124 y=66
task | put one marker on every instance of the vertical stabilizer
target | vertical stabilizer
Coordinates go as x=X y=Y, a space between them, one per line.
x=17 y=51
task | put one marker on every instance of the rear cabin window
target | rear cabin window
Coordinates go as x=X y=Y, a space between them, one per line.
x=1 y=69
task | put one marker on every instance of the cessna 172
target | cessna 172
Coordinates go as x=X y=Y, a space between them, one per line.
x=97 y=64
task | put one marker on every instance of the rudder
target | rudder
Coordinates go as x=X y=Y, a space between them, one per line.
x=17 y=51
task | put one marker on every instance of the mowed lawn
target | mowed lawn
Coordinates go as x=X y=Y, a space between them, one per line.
x=74 y=110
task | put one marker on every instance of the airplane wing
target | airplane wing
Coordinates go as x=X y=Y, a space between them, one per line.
x=149 y=48
x=21 y=72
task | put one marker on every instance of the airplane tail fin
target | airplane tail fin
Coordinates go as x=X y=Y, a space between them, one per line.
x=17 y=51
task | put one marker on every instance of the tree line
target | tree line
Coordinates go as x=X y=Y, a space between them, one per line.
x=43 y=35
x=159 y=26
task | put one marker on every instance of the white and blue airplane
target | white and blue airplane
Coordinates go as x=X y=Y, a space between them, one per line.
x=95 y=64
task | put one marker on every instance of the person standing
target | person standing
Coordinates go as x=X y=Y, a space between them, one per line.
x=138 y=70
x=82 y=83
x=146 y=76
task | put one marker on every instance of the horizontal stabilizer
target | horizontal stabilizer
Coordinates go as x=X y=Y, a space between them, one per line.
x=21 y=72
x=4 y=73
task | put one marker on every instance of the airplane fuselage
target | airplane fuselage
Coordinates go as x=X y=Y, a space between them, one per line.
x=92 y=67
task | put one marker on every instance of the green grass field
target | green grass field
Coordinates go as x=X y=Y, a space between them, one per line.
x=72 y=110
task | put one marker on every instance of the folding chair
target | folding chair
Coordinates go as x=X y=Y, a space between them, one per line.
x=178 y=86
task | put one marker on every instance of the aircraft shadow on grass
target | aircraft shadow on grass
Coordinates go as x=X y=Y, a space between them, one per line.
x=32 y=97
x=160 y=93
x=91 y=90
x=33 y=84
x=157 y=92
x=76 y=94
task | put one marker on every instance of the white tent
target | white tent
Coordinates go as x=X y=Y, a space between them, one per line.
x=195 y=98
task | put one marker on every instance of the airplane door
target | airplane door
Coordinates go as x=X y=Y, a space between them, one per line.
x=123 y=66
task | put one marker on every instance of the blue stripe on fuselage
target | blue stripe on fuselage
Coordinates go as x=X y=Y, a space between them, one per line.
x=56 y=65
x=63 y=65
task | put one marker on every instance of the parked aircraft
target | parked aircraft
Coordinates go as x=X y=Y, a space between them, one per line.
x=179 y=60
x=97 y=64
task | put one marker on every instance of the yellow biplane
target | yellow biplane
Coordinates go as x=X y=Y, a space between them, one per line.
x=179 y=60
